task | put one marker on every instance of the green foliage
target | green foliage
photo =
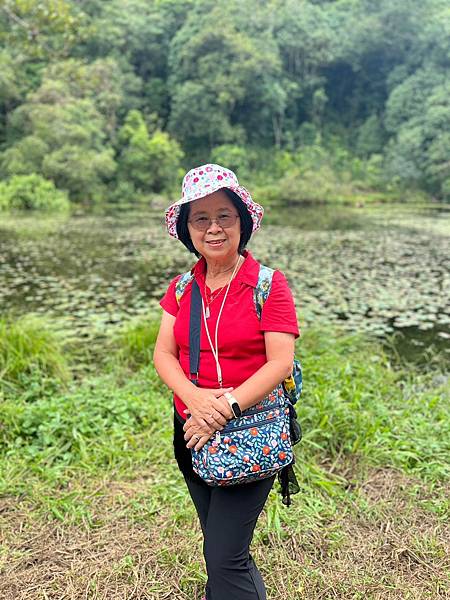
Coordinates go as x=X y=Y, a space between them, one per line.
x=31 y=192
x=10 y=80
x=316 y=173
x=357 y=404
x=222 y=79
x=371 y=137
x=445 y=186
x=30 y=350
x=149 y=163
x=64 y=125
x=418 y=112
x=235 y=158
x=41 y=30
x=134 y=344
x=72 y=427
x=354 y=405
x=224 y=82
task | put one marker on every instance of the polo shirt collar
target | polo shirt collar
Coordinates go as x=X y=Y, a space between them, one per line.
x=248 y=273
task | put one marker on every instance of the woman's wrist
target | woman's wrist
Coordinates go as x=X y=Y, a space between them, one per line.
x=189 y=394
x=234 y=404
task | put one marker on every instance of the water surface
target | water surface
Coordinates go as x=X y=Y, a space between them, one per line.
x=381 y=270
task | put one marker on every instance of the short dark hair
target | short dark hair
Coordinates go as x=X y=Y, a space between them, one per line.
x=246 y=223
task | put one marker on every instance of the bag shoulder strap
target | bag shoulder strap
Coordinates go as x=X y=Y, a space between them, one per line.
x=194 y=332
x=181 y=285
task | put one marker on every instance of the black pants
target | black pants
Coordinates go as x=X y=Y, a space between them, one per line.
x=228 y=518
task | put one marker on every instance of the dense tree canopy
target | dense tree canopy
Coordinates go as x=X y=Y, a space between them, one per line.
x=108 y=99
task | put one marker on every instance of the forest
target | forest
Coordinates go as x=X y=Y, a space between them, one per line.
x=310 y=100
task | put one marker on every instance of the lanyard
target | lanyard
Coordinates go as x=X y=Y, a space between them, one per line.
x=215 y=347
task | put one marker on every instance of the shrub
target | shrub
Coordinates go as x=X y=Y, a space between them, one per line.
x=32 y=192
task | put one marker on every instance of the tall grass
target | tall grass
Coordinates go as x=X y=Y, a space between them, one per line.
x=355 y=406
x=133 y=345
x=31 y=350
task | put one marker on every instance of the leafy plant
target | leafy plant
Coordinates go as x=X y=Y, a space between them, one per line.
x=32 y=192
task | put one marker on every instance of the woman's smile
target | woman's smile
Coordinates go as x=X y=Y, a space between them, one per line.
x=216 y=243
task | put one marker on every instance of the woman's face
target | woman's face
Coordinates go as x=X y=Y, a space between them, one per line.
x=215 y=243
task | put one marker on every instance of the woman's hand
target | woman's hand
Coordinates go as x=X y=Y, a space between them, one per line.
x=196 y=435
x=209 y=408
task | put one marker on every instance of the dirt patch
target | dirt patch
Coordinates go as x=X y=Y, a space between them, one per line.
x=392 y=549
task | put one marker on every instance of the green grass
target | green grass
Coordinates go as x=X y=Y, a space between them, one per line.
x=95 y=450
x=133 y=345
x=30 y=349
x=354 y=405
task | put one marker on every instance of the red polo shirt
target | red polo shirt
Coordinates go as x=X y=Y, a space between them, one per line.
x=241 y=344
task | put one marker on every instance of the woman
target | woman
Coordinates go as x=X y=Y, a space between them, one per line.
x=242 y=359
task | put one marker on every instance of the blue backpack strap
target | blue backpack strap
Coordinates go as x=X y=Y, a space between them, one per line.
x=293 y=384
x=262 y=289
x=182 y=283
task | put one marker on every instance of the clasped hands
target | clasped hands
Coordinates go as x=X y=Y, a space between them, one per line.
x=209 y=412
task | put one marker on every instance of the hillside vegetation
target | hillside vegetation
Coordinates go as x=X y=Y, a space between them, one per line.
x=308 y=100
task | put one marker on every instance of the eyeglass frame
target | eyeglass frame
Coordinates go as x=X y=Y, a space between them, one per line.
x=212 y=220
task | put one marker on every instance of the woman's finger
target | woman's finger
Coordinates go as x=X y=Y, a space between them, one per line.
x=195 y=440
x=189 y=433
x=201 y=442
x=222 y=407
x=218 y=418
x=215 y=420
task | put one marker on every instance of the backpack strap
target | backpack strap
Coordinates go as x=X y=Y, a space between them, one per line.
x=293 y=384
x=182 y=284
x=262 y=289
x=261 y=293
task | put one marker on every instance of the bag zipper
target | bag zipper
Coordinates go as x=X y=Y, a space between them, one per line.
x=248 y=426
x=255 y=411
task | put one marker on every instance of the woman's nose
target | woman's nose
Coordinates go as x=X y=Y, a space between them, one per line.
x=214 y=227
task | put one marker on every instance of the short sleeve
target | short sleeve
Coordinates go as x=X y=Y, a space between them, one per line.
x=169 y=301
x=278 y=312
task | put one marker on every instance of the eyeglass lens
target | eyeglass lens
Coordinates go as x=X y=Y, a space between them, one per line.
x=202 y=223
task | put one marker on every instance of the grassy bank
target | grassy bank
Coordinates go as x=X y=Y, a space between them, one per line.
x=93 y=506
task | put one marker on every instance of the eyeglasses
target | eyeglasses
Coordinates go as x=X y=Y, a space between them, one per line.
x=202 y=223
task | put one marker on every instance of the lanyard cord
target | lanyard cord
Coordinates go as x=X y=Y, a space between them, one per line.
x=215 y=348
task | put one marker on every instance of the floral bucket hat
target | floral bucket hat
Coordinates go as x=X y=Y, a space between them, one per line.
x=204 y=180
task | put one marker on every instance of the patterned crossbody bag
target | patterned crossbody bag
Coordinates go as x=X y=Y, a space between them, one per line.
x=258 y=444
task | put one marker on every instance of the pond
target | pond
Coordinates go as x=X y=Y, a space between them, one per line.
x=381 y=270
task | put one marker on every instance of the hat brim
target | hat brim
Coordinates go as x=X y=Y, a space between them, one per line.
x=255 y=210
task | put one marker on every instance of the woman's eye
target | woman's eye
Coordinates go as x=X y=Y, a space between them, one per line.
x=201 y=219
